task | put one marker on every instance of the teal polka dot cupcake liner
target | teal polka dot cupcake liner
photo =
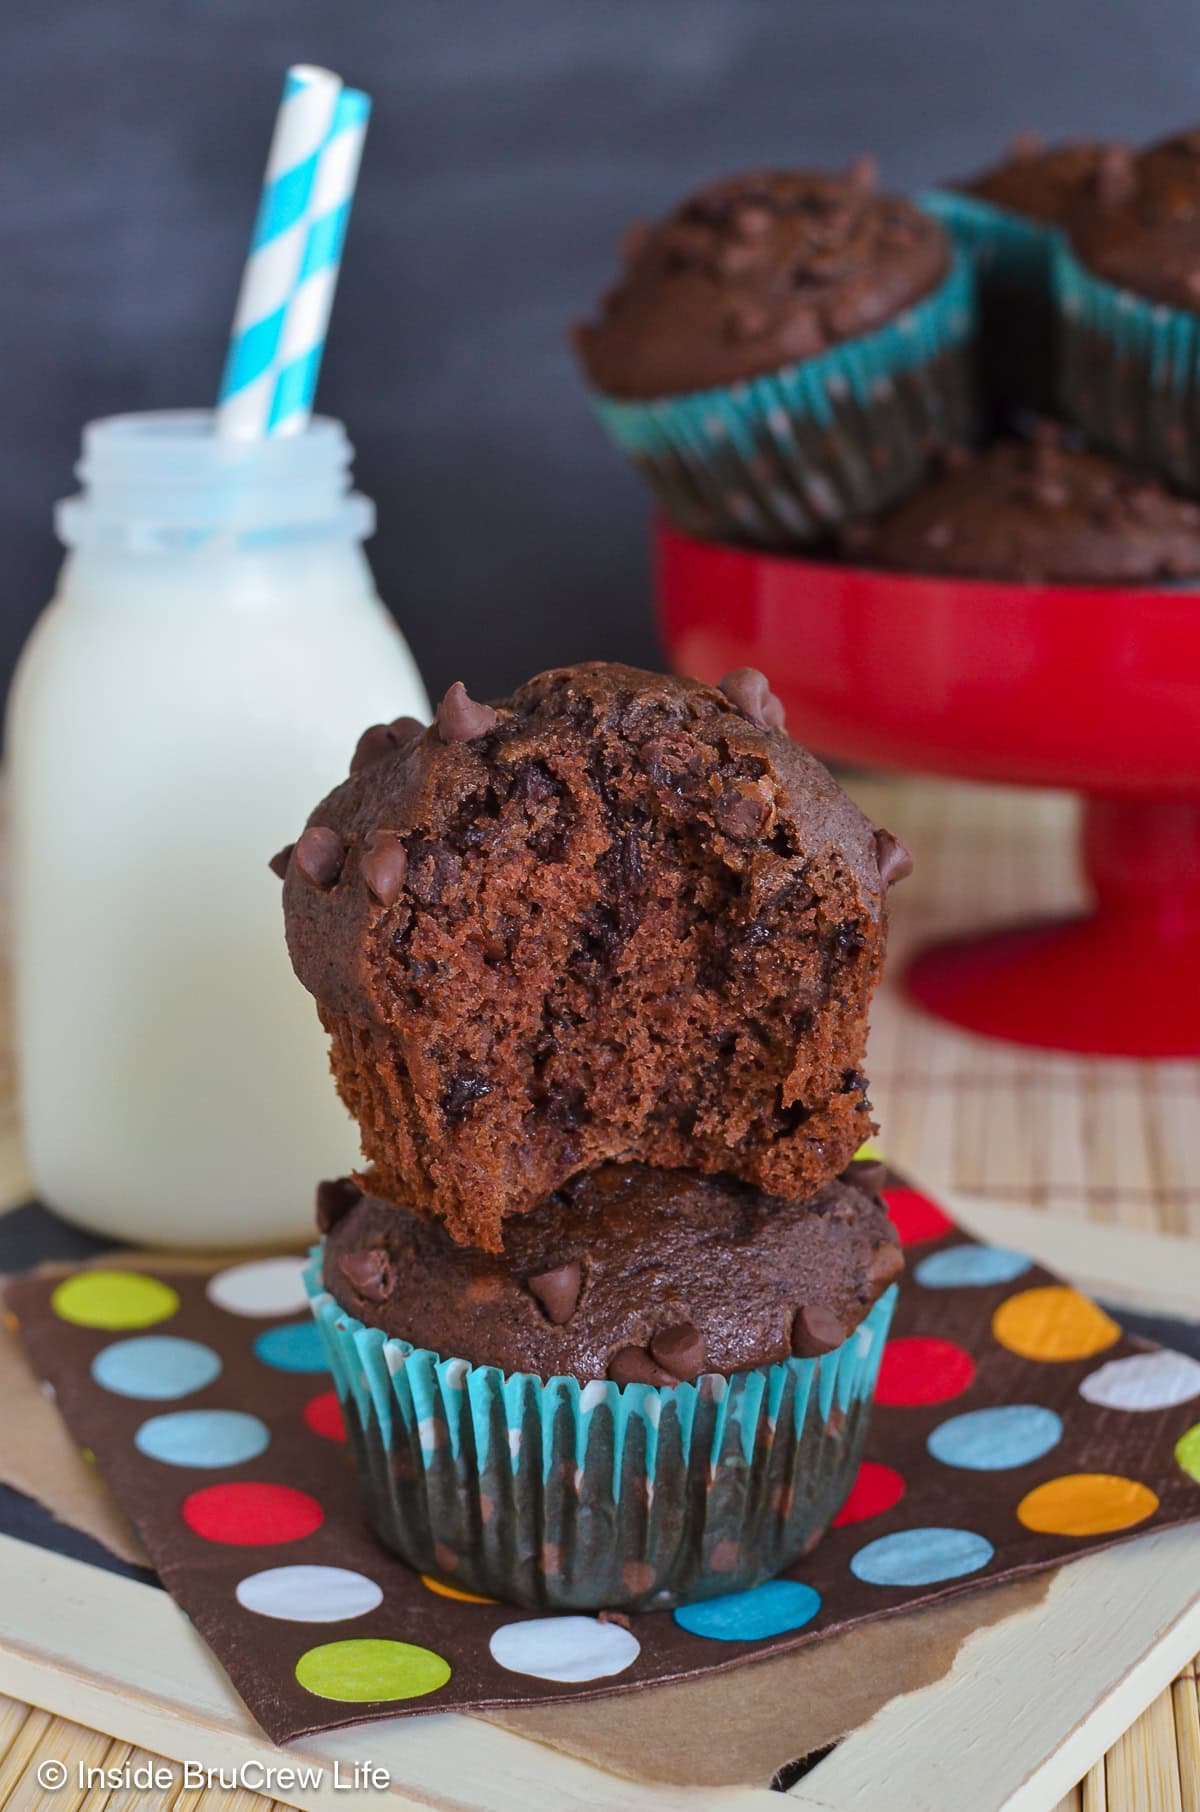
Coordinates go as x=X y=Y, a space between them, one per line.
x=564 y=1496
x=785 y=458
x=1129 y=371
x=1013 y=259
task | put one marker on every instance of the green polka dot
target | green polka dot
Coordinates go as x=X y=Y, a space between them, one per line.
x=113 y=1300
x=368 y=1670
x=1187 y=1452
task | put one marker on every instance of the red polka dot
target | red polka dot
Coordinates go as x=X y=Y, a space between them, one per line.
x=920 y=1370
x=875 y=1489
x=252 y=1515
x=324 y=1416
x=915 y=1217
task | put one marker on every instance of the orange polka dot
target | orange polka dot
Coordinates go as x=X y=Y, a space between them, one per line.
x=1086 y=1503
x=452 y=1591
x=1053 y=1323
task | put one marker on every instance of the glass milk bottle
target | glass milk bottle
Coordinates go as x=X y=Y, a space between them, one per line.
x=214 y=650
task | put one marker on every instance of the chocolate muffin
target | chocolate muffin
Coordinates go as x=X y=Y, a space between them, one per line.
x=1136 y=221
x=649 y=1397
x=1127 y=294
x=755 y=271
x=781 y=353
x=1039 y=511
x=618 y=915
x=1039 y=181
x=628 y=1272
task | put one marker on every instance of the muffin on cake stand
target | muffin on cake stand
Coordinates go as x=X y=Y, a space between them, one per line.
x=1092 y=688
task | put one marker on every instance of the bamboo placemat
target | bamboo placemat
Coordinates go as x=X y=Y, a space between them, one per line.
x=1102 y=1140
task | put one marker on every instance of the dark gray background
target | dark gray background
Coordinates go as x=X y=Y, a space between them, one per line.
x=511 y=140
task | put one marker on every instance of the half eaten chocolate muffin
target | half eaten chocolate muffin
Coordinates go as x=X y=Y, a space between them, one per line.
x=618 y=915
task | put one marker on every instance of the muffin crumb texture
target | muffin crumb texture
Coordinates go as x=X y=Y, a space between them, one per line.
x=617 y=915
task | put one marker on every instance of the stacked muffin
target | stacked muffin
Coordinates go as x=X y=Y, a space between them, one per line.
x=607 y=1306
x=793 y=358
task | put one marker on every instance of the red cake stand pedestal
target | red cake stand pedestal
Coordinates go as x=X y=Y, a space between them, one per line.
x=1096 y=690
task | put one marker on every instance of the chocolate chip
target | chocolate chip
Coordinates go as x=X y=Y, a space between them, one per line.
x=747 y=322
x=335 y=1199
x=1024 y=145
x=465 y=1089
x=319 y=855
x=735 y=259
x=742 y=814
x=384 y=865
x=557 y=1291
x=815 y=1330
x=383 y=739
x=752 y=219
x=633 y=1365
x=799 y=334
x=633 y=241
x=885 y=1265
x=679 y=1349
x=460 y=718
x=434 y=872
x=278 y=863
x=369 y=1272
x=1116 y=176
x=894 y=858
x=863 y=174
x=842 y=315
x=866 y=1173
x=749 y=692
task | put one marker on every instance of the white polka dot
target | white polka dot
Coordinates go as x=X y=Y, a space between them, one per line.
x=1144 y=1381
x=564 y=1648
x=265 y=1286
x=309 y=1594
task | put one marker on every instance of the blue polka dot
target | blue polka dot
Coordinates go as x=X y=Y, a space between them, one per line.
x=988 y=1440
x=955 y=1266
x=294 y=1348
x=155 y=1367
x=915 y=1557
x=203 y=1437
x=766 y=1610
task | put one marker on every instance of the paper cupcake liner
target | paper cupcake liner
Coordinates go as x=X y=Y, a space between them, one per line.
x=1129 y=371
x=786 y=457
x=1014 y=266
x=558 y=1495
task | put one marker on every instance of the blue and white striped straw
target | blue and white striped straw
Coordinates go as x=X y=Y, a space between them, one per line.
x=295 y=255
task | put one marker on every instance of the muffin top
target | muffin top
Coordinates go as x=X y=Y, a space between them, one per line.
x=1038 y=511
x=1040 y=181
x=1137 y=221
x=755 y=272
x=631 y=1273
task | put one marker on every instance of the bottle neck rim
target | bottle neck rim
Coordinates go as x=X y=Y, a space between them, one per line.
x=165 y=482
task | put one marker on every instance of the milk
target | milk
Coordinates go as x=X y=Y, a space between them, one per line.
x=199 y=682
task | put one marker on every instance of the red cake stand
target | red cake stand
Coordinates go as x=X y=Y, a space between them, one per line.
x=1097 y=690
